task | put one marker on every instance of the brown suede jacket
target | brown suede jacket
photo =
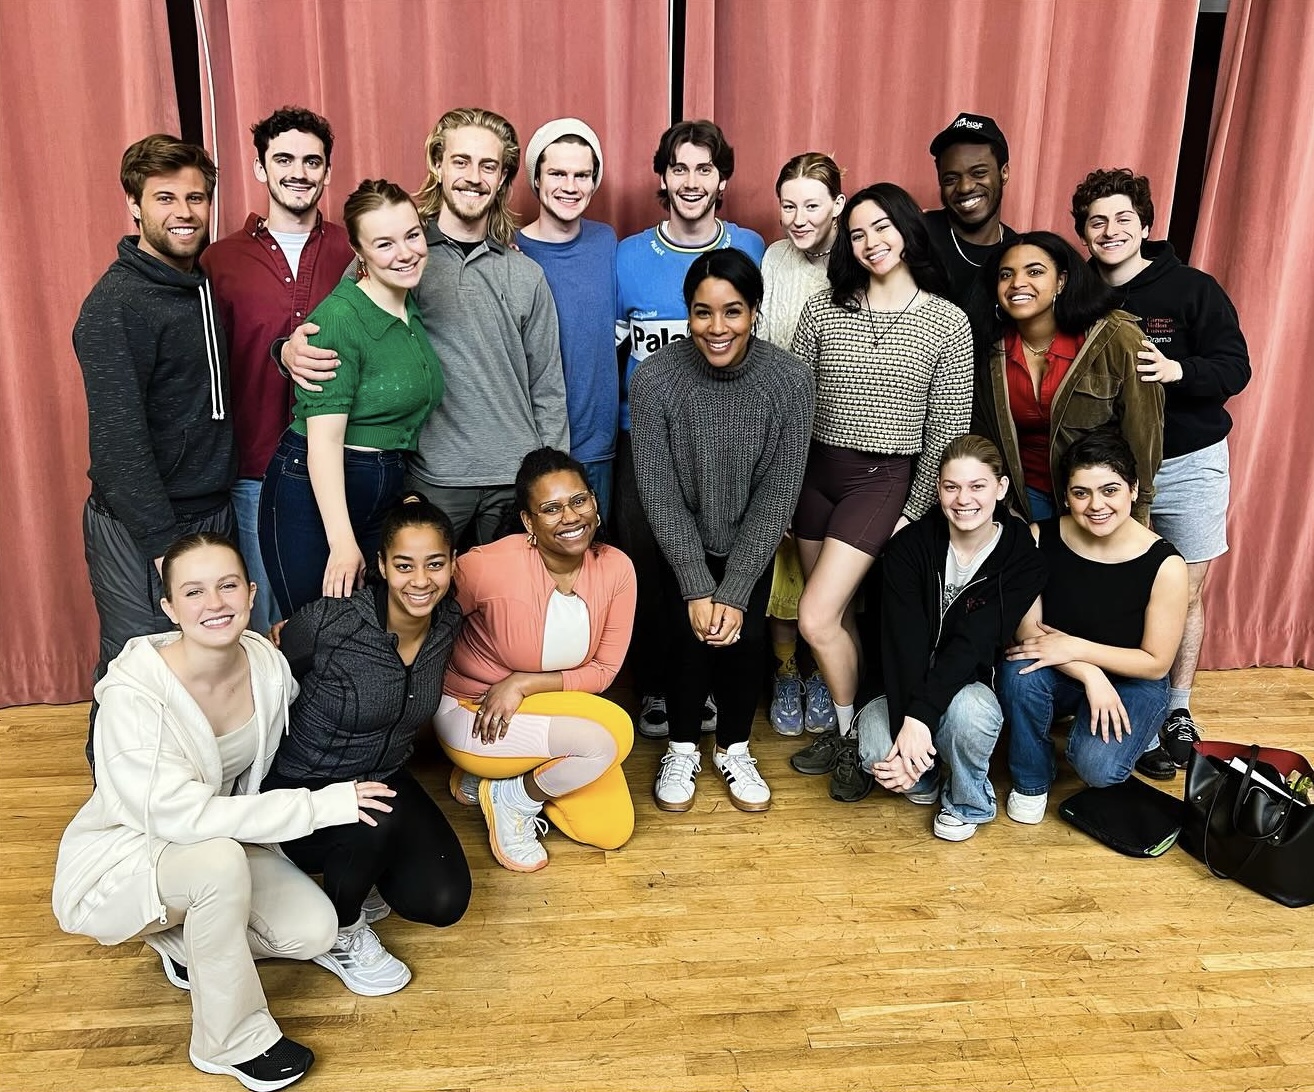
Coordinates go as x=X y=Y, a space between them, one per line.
x=1101 y=386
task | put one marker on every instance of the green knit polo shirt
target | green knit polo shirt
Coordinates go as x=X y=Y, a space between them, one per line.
x=389 y=379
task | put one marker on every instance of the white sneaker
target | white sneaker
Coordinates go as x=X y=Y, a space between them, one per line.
x=675 y=786
x=374 y=907
x=465 y=787
x=951 y=828
x=513 y=832
x=359 y=958
x=748 y=792
x=1026 y=809
x=709 y=715
x=653 y=723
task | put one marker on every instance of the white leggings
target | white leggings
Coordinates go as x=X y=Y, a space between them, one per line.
x=228 y=905
x=583 y=749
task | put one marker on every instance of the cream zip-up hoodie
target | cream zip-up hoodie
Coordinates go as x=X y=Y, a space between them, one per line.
x=159 y=776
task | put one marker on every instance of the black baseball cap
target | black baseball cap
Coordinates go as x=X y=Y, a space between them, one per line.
x=969 y=129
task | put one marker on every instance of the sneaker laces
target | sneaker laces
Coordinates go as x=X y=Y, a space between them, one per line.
x=527 y=827
x=363 y=947
x=788 y=694
x=1182 y=728
x=847 y=764
x=678 y=767
x=742 y=768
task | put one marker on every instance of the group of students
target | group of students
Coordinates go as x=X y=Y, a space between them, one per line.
x=852 y=417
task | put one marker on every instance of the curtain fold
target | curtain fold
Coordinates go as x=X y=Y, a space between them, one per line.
x=1072 y=85
x=84 y=81
x=1256 y=236
x=383 y=72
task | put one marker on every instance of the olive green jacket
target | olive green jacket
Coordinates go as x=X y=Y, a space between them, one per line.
x=1101 y=386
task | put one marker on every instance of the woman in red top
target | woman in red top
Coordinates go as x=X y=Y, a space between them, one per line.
x=548 y=618
x=1058 y=361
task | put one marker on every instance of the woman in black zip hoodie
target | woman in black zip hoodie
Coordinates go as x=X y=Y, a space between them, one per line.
x=956 y=583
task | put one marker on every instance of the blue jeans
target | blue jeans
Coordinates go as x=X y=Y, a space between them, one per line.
x=964 y=740
x=600 y=482
x=1043 y=505
x=292 y=537
x=246 y=503
x=1031 y=702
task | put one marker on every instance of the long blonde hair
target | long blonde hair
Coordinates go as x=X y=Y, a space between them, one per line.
x=429 y=200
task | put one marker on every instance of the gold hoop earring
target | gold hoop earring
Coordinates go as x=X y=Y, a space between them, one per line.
x=533 y=539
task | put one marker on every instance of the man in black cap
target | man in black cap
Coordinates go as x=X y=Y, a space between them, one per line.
x=971 y=159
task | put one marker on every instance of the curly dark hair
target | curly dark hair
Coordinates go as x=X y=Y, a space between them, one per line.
x=284 y=120
x=1111 y=183
x=1103 y=446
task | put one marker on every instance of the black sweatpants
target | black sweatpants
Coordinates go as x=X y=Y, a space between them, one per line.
x=732 y=674
x=413 y=856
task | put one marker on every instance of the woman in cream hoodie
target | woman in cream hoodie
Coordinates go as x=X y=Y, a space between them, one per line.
x=170 y=847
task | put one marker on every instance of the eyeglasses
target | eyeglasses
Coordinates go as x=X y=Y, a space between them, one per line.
x=582 y=503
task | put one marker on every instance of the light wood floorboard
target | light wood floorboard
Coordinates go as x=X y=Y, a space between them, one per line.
x=817 y=947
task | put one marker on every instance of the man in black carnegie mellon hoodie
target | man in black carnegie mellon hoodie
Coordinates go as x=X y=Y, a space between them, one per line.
x=155 y=366
x=1194 y=347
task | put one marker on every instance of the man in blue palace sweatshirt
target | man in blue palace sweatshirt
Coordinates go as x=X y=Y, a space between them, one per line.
x=1194 y=347
x=563 y=161
x=693 y=162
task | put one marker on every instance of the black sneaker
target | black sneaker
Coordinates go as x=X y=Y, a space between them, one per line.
x=821 y=755
x=1177 y=735
x=849 y=782
x=1157 y=765
x=174 y=971
x=281 y=1065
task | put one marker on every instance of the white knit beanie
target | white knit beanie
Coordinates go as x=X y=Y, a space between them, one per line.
x=553 y=131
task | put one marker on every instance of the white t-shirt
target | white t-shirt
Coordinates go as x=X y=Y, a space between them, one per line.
x=565 y=632
x=292 y=244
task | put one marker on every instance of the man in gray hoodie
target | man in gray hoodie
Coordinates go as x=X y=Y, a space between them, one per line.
x=490 y=315
x=155 y=366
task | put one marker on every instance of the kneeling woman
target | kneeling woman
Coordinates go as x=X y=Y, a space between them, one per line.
x=371 y=672
x=721 y=422
x=1100 y=640
x=171 y=846
x=956 y=583
x=548 y=618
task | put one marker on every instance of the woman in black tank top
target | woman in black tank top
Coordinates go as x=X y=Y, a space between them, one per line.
x=1099 y=641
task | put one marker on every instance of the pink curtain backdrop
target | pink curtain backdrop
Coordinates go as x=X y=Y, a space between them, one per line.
x=383 y=72
x=1072 y=85
x=83 y=82
x=1255 y=236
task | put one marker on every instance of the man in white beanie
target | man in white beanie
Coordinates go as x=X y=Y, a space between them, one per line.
x=563 y=162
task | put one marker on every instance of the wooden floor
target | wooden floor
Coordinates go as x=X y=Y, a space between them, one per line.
x=817 y=948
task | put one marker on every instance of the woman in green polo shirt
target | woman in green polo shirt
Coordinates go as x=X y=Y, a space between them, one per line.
x=341 y=462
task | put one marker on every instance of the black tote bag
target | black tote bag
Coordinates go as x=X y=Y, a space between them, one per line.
x=1244 y=830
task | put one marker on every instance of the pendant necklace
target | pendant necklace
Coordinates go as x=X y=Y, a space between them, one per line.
x=879 y=335
x=1032 y=349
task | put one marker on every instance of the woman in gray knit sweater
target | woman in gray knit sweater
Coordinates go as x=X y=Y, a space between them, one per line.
x=721 y=422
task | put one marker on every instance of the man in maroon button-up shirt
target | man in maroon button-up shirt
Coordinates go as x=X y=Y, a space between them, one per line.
x=266 y=279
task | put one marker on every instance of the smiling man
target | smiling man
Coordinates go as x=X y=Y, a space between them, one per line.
x=490 y=316
x=1193 y=347
x=564 y=162
x=694 y=162
x=155 y=366
x=267 y=277
x=971 y=162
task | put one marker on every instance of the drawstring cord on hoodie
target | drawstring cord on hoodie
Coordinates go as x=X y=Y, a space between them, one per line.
x=212 y=353
x=146 y=815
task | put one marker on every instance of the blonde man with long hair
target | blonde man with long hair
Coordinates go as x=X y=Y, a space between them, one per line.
x=490 y=315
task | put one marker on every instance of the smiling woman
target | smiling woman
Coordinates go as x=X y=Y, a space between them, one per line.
x=548 y=616
x=720 y=427
x=341 y=462
x=1055 y=361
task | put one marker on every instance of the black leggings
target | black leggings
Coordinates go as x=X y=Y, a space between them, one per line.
x=732 y=674
x=650 y=647
x=413 y=856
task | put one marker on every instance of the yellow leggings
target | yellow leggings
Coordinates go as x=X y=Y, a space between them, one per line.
x=599 y=814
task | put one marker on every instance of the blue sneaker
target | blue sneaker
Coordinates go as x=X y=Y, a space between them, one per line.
x=786 y=714
x=820 y=715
